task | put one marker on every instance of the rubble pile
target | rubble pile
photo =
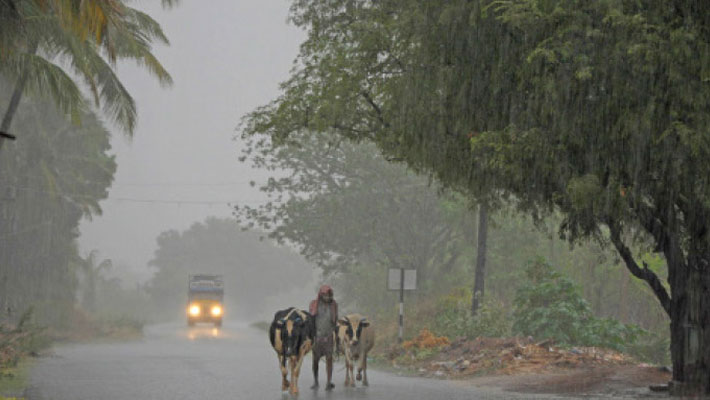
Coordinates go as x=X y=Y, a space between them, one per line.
x=517 y=356
x=499 y=356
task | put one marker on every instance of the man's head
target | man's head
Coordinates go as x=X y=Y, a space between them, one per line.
x=325 y=294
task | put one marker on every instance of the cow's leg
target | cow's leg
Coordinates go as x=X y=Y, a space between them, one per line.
x=297 y=370
x=284 y=375
x=316 y=359
x=360 y=367
x=347 y=372
x=352 y=376
x=363 y=368
x=294 y=375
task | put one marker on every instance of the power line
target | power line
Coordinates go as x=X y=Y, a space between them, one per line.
x=183 y=184
x=169 y=184
x=180 y=202
x=146 y=200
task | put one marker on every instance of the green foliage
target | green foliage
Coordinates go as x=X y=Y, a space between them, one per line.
x=51 y=178
x=454 y=318
x=653 y=348
x=42 y=39
x=20 y=340
x=347 y=207
x=596 y=110
x=550 y=306
x=487 y=97
x=418 y=354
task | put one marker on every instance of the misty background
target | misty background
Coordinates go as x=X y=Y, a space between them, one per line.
x=181 y=165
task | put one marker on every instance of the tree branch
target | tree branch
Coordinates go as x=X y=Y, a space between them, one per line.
x=642 y=273
x=376 y=108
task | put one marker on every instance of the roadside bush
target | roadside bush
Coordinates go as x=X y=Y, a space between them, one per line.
x=454 y=317
x=426 y=340
x=20 y=340
x=550 y=306
x=652 y=348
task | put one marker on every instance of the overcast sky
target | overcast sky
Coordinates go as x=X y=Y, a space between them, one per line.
x=226 y=58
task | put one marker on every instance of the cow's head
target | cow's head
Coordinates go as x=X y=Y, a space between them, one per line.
x=351 y=329
x=292 y=333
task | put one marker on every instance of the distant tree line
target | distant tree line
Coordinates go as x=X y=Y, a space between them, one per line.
x=254 y=268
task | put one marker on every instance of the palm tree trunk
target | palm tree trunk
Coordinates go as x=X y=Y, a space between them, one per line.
x=12 y=107
x=479 y=282
x=16 y=97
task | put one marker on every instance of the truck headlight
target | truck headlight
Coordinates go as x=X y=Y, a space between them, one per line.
x=216 y=311
x=194 y=310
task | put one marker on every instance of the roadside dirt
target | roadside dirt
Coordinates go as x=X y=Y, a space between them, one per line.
x=619 y=381
x=524 y=366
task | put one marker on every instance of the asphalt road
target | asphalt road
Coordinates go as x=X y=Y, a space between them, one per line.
x=236 y=362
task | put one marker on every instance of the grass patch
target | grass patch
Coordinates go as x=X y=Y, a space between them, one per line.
x=84 y=327
x=14 y=380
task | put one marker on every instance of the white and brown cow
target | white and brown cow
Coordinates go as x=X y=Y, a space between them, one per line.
x=291 y=334
x=357 y=337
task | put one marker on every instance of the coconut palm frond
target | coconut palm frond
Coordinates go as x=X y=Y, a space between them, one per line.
x=132 y=43
x=115 y=99
x=47 y=78
x=73 y=51
x=147 y=25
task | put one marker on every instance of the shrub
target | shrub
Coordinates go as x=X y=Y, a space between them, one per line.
x=454 y=317
x=426 y=340
x=550 y=306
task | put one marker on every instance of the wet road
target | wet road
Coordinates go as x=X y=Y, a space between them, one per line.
x=237 y=362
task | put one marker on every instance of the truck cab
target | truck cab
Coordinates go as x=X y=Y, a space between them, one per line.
x=205 y=299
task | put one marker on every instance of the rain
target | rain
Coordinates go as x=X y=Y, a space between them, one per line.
x=468 y=199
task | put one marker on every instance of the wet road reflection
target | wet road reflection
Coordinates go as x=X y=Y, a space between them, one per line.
x=235 y=362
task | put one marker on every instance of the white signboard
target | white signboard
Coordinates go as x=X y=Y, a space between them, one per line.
x=394 y=280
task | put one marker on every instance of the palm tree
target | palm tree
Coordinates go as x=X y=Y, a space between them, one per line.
x=89 y=37
x=92 y=270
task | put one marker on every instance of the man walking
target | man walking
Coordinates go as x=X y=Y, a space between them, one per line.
x=325 y=310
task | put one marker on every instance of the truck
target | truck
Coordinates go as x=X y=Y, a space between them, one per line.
x=205 y=299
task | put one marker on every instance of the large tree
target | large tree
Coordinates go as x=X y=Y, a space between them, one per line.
x=596 y=109
x=343 y=204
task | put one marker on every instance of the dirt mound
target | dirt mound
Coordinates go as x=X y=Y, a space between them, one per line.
x=518 y=356
x=431 y=355
x=524 y=365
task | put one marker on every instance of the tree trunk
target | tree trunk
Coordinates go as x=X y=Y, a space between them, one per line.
x=690 y=326
x=479 y=282
x=12 y=106
x=15 y=99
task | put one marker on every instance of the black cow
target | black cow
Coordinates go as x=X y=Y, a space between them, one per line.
x=292 y=333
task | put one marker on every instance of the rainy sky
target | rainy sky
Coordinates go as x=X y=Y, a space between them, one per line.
x=226 y=58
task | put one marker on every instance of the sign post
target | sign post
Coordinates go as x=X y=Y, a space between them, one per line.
x=401 y=279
